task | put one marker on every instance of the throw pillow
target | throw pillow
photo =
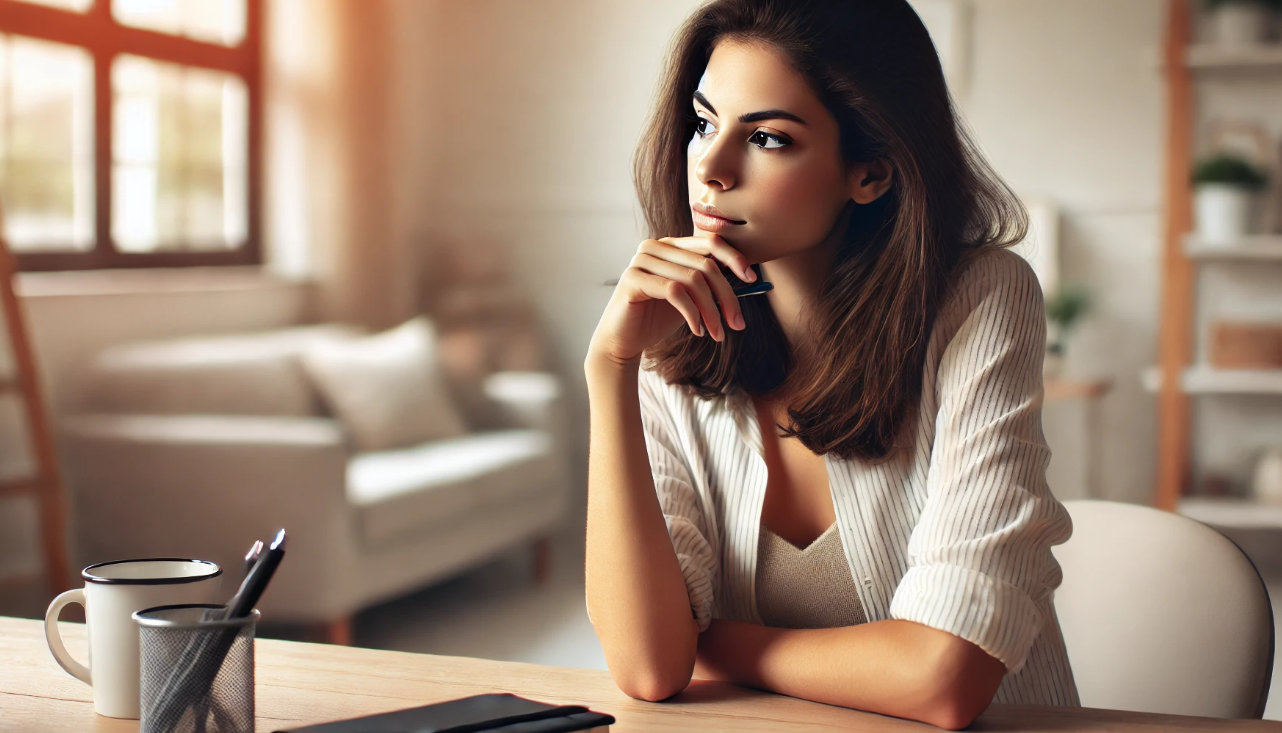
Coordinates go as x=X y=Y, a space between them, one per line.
x=387 y=389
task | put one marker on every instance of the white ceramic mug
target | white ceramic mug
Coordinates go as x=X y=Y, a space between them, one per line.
x=113 y=592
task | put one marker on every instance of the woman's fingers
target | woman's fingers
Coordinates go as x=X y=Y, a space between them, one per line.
x=706 y=264
x=687 y=261
x=716 y=247
x=686 y=275
x=657 y=287
x=697 y=284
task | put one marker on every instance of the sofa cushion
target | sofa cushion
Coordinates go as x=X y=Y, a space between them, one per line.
x=229 y=374
x=413 y=489
x=387 y=389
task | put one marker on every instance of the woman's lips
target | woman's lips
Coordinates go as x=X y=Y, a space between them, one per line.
x=709 y=222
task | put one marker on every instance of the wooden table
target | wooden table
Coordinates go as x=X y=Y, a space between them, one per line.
x=301 y=683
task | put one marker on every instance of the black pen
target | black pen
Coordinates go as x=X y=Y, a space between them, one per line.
x=251 y=557
x=740 y=291
x=256 y=582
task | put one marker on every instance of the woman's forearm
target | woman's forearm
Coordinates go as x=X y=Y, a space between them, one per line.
x=636 y=594
x=891 y=667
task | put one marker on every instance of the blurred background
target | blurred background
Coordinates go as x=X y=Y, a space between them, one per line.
x=333 y=265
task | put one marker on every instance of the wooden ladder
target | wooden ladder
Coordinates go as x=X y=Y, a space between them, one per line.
x=45 y=486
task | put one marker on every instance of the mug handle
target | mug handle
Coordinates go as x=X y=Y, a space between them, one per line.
x=60 y=655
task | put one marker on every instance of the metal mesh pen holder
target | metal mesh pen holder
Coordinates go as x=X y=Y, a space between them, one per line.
x=197 y=673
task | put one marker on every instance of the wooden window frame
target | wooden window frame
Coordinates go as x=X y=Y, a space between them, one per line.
x=96 y=31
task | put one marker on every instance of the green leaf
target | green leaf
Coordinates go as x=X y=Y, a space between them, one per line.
x=1066 y=306
x=1230 y=169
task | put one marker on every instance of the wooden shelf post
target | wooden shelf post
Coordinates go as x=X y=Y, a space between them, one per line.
x=1176 y=332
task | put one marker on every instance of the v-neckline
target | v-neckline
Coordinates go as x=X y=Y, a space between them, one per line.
x=813 y=543
x=744 y=411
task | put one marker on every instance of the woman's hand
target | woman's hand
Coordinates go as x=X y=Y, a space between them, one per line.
x=670 y=280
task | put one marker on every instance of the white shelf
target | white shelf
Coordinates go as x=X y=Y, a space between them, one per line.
x=1229 y=511
x=1205 y=380
x=1210 y=57
x=1249 y=248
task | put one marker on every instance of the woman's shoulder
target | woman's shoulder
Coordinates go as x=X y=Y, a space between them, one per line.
x=996 y=281
x=993 y=298
x=992 y=269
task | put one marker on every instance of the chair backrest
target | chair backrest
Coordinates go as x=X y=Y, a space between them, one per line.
x=1162 y=614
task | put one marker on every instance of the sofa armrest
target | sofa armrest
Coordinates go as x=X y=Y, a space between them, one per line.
x=207 y=486
x=535 y=400
x=530 y=400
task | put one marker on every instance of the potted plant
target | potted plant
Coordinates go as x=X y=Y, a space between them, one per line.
x=1241 y=22
x=1226 y=196
x=1063 y=311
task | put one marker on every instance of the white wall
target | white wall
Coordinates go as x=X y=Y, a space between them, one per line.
x=531 y=110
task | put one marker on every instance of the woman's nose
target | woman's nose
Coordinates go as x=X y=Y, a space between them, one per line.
x=715 y=166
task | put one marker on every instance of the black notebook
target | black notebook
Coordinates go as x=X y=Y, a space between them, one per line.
x=497 y=713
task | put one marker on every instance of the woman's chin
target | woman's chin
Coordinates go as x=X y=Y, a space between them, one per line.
x=755 y=253
x=741 y=243
x=749 y=245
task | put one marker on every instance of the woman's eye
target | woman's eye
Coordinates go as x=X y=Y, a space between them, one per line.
x=768 y=141
x=703 y=127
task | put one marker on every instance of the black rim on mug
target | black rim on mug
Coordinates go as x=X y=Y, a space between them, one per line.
x=91 y=577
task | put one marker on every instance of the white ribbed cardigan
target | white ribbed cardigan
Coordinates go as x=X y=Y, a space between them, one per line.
x=955 y=533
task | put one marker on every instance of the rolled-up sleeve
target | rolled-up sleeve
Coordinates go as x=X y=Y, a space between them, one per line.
x=980 y=561
x=677 y=495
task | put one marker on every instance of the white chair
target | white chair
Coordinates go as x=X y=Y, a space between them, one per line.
x=1162 y=614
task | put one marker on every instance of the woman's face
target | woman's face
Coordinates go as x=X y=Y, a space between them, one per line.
x=764 y=166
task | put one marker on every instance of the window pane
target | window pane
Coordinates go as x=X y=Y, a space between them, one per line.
x=179 y=174
x=77 y=5
x=46 y=144
x=214 y=21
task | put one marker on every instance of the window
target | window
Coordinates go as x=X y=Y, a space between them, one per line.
x=129 y=132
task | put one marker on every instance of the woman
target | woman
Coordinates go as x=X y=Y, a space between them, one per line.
x=836 y=491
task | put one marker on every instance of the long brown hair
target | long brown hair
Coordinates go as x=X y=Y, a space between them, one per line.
x=874 y=67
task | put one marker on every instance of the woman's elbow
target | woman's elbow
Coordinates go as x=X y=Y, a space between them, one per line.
x=962 y=686
x=652 y=669
x=953 y=706
x=652 y=687
x=954 y=715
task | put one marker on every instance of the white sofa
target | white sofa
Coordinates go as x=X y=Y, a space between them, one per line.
x=196 y=447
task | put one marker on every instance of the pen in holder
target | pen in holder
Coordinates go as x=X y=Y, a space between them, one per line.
x=197 y=672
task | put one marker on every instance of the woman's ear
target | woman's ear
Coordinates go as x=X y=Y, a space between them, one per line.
x=869 y=180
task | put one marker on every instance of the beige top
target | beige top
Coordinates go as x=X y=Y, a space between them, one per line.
x=806 y=589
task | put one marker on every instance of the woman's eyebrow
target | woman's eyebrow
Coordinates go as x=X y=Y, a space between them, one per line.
x=698 y=97
x=768 y=114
